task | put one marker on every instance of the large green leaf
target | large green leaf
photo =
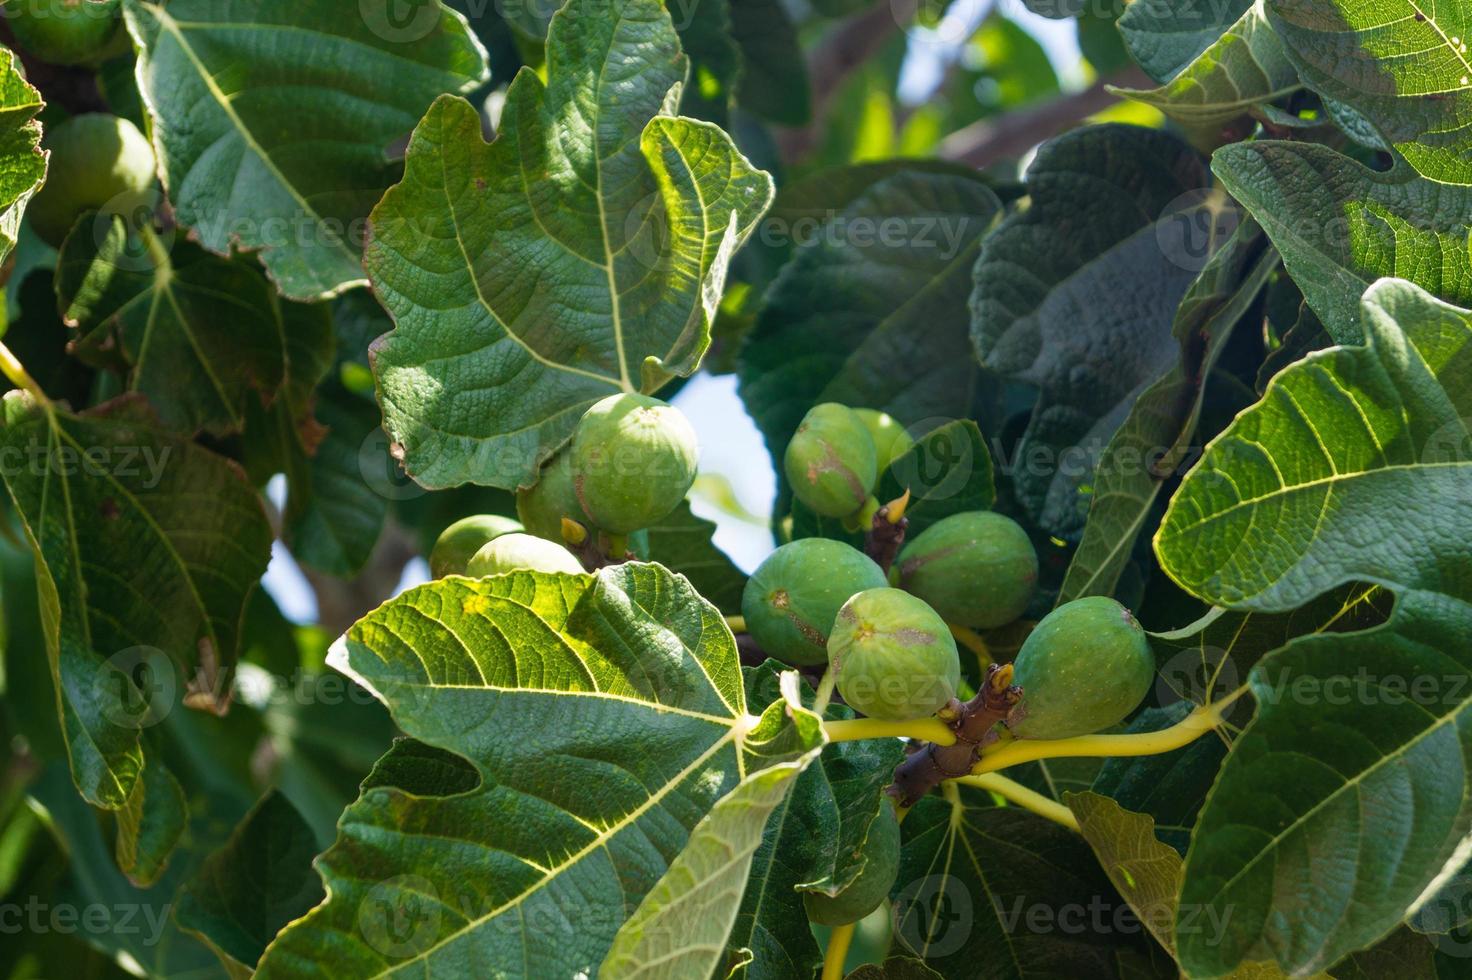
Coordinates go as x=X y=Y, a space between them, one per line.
x=273 y=119
x=1151 y=443
x=22 y=164
x=244 y=893
x=871 y=319
x=581 y=253
x=202 y=335
x=1166 y=37
x=774 y=75
x=1245 y=67
x=1402 y=64
x=990 y=893
x=1146 y=872
x=603 y=716
x=1360 y=738
x=1340 y=226
x=147 y=549
x=1076 y=295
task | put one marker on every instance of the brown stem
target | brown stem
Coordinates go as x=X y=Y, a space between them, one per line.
x=1010 y=136
x=928 y=765
x=887 y=532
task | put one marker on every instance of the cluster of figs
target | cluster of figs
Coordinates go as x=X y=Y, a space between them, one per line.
x=886 y=636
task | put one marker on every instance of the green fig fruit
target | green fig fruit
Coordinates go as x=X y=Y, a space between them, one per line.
x=891 y=441
x=893 y=656
x=975 y=569
x=97 y=161
x=831 y=461
x=65 y=32
x=543 y=506
x=793 y=597
x=516 y=552
x=633 y=460
x=459 y=542
x=1085 y=667
x=881 y=851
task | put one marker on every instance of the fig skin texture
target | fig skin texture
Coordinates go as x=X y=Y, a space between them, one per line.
x=891 y=441
x=459 y=542
x=975 y=569
x=543 y=506
x=881 y=868
x=893 y=656
x=517 y=552
x=1085 y=667
x=793 y=597
x=633 y=460
x=97 y=161
x=65 y=32
x=831 y=461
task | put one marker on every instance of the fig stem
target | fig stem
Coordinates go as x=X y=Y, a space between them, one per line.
x=824 y=694
x=736 y=624
x=1014 y=792
x=927 y=729
x=838 y=943
x=973 y=641
x=1204 y=719
x=12 y=368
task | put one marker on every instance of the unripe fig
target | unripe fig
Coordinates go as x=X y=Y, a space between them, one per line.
x=521 y=552
x=881 y=866
x=543 y=506
x=793 y=597
x=64 y=32
x=975 y=569
x=893 y=656
x=1085 y=667
x=891 y=441
x=97 y=161
x=633 y=460
x=831 y=461
x=459 y=542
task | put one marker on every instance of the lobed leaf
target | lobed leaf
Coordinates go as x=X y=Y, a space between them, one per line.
x=580 y=254
x=22 y=162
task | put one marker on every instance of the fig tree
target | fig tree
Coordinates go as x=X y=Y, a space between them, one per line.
x=893 y=656
x=793 y=597
x=881 y=866
x=975 y=569
x=521 y=552
x=97 y=161
x=633 y=461
x=543 y=506
x=65 y=32
x=459 y=542
x=1085 y=667
x=831 y=461
x=891 y=441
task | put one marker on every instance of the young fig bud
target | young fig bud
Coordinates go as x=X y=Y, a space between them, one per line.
x=459 y=542
x=975 y=569
x=633 y=460
x=522 y=552
x=831 y=461
x=1085 y=667
x=793 y=597
x=881 y=851
x=893 y=656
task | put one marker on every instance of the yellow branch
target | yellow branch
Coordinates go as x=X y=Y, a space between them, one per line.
x=972 y=640
x=925 y=729
x=736 y=624
x=1204 y=719
x=11 y=367
x=1015 y=792
x=838 y=943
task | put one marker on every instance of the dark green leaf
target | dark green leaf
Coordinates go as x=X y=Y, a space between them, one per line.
x=1166 y=37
